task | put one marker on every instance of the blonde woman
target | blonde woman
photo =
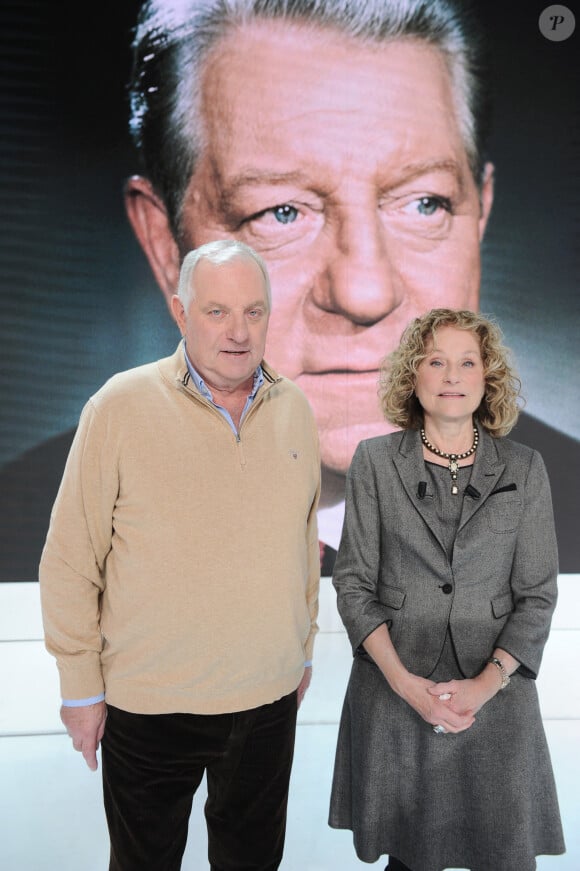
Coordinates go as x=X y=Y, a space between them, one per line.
x=446 y=583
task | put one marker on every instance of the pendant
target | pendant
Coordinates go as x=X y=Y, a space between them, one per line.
x=454 y=490
x=453 y=467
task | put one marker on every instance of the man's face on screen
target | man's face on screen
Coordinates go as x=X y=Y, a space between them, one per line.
x=343 y=165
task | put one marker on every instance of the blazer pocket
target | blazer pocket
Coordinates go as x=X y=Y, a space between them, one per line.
x=392 y=597
x=502 y=605
x=504 y=512
x=504 y=489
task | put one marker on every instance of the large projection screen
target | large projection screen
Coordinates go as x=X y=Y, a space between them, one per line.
x=78 y=301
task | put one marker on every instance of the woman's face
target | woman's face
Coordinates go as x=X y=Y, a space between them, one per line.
x=450 y=381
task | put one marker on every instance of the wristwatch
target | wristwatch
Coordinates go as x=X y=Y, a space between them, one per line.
x=505 y=678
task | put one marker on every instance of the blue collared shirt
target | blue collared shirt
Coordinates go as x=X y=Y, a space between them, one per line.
x=203 y=389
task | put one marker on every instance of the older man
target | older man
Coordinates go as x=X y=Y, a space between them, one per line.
x=344 y=141
x=179 y=580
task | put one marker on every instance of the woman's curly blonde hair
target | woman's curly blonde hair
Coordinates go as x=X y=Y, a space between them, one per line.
x=501 y=403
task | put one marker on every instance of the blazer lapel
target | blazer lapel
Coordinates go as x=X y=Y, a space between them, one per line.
x=484 y=476
x=410 y=466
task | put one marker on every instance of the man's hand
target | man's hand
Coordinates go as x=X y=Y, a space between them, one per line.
x=304 y=683
x=86 y=726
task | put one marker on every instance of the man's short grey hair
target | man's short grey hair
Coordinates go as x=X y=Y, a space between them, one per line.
x=219 y=252
x=174 y=37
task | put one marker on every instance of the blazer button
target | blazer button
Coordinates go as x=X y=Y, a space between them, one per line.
x=447 y=588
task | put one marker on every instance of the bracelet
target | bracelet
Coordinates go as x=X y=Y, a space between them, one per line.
x=505 y=678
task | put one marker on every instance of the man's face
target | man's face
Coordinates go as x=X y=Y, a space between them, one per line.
x=343 y=165
x=225 y=323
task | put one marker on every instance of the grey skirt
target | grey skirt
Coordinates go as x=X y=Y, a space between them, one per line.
x=483 y=799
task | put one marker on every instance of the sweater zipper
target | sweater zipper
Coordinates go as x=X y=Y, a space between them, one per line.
x=251 y=411
x=237 y=436
x=241 y=455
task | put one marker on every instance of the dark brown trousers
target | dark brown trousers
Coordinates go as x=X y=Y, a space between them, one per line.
x=153 y=764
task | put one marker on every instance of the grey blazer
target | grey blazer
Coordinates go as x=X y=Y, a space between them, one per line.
x=499 y=590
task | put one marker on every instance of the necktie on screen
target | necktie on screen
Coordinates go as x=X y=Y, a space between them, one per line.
x=327 y=558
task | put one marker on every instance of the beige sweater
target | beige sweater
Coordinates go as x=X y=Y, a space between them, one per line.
x=181 y=567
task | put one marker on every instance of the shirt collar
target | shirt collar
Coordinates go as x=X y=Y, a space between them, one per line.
x=202 y=386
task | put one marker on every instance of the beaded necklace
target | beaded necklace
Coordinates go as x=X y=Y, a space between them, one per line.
x=453 y=458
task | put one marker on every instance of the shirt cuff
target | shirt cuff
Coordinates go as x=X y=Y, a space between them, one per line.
x=308 y=663
x=81 y=703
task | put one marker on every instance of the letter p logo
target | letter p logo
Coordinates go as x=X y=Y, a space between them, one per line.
x=557 y=23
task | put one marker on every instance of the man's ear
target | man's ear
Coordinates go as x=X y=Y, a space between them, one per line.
x=178 y=312
x=148 y=217
x=486 y=197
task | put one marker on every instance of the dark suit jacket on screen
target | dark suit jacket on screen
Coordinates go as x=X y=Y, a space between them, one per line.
x=28 y=487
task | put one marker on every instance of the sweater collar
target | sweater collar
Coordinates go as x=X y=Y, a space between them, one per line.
x=174 y=369
x=204 y=389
